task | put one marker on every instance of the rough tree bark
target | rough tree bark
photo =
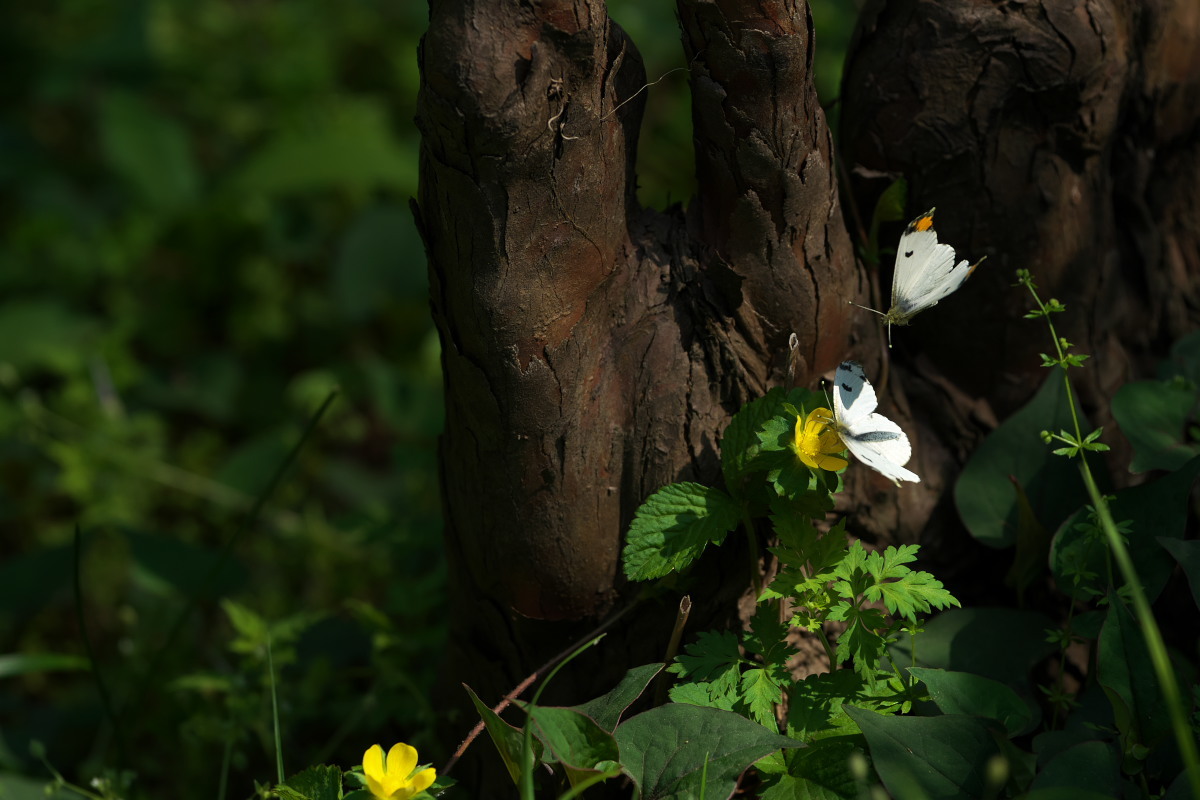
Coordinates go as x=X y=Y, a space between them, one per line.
x=593 y=350
x=1062 y=137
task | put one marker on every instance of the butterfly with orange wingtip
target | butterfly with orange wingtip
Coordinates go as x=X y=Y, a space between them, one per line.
x=925 y=273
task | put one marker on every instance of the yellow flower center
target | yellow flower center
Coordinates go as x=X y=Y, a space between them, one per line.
x=817 y=442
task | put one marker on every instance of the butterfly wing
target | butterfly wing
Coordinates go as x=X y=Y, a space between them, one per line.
x=853 y=397
x=881 y=445
x=925 y=270
x=872 y=438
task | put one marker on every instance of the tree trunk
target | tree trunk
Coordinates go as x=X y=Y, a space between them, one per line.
x=1059 y=137
x=594 y=350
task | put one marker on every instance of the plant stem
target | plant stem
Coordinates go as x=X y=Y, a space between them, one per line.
x=1151 y=633
x=755 y=574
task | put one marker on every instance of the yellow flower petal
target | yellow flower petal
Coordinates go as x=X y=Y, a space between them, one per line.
x=423 y=780
x=831 y=463
x=373 y=770
x=400 y=762
x=816 y=442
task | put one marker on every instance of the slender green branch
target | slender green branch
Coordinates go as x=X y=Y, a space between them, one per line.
x=1150 y=631
x=1154 y=641
x=97 y=675
x=755 y=555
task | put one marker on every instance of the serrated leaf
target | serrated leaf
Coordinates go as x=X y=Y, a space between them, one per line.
x=766 y=635
x=761 y=692
x=709 y=658
x=315 y=783
x=862 y=645
x=820 y=771
x=687 y=752
x=673 y=526
x=740 y=443
x=701 y=694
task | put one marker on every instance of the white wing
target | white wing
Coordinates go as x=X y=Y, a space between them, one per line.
x=925 y=270
x=881 y=445
x=853 y=397
x=872 y=438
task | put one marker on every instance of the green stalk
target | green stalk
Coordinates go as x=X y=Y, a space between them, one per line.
x=1154 y=640
x=755 y=576
x=274 y=711
x=1141 y=606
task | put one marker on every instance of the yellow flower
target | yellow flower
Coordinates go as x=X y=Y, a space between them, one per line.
x=816 y=442
x=390 y=779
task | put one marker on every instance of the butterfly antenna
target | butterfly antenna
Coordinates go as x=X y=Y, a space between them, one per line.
x=866 y=308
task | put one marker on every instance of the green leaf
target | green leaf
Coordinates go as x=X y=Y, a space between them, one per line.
x=713 y=658
x=767 y=636
x=684 y=752
x=1184 y=360
x=1125 y=672
x=673 y=526
x=740 y=443
x=149 y=150
x=606 y=710
x=977 y=696
x=508 y=739
x=1033 y=547
x=761 y=692
x=1188 y=555
x=1087 y=770
x=892 y=201
x=378 y=262
x=702 y=694
x=29 y=581
x=860 y=642
x=1003 y=644
x=820 y=771
x=930 y=757
x=571 y=738
x=40 y=333
x=815 y=704
x=348 y=142
x=1152 y=415
x=983 y=493
x=315 y=783
x=15 y=664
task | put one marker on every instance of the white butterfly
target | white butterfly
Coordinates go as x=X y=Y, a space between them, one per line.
x=872 y=438
x=925 y=273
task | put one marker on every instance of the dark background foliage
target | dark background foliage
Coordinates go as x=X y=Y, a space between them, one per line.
x=206 y=231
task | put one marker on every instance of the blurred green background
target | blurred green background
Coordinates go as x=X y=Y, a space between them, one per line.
x=205 y=219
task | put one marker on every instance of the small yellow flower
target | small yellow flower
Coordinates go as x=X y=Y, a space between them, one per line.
x=390 y=778
x=816 y=443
